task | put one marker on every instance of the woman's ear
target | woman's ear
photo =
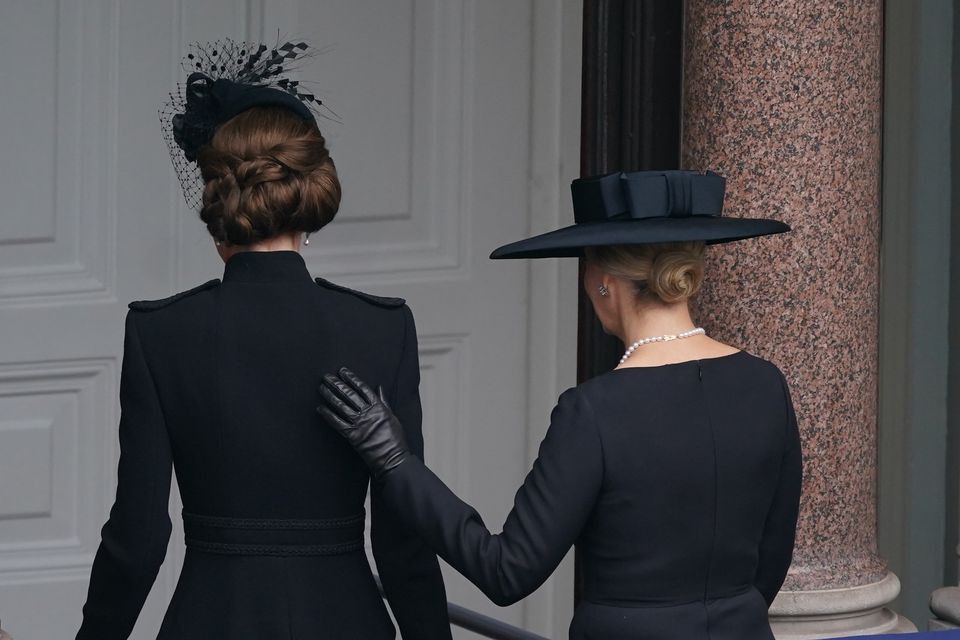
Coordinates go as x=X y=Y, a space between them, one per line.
x=223 y=249
x=593 y=277
x=596 y=286
x=608 y=285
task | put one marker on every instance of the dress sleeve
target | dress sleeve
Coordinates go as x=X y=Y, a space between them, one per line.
x=776 y=546
x=549 y=510
x=408 y=569
x=134 y=539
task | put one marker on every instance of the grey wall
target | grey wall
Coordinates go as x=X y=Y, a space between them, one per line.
x=458 y=131
x=915 y=465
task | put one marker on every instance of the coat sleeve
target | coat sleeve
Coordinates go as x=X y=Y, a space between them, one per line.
x=776 y=545
x=408 y=569
x=549 y=511
x=134 y=539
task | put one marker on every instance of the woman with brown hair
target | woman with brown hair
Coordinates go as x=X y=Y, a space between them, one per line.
x=676 y=475
x=218 y=381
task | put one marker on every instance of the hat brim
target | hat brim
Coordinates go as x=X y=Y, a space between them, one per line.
x=569 y=242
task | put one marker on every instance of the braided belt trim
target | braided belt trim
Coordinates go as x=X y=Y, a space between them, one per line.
x=225 y=548
x=273 y=523
x=274 y=536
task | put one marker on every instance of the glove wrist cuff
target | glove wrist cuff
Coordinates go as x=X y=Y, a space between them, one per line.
x=391 y=463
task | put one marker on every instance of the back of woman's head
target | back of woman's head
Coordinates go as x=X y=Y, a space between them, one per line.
x=671 y=271
x=267 y=172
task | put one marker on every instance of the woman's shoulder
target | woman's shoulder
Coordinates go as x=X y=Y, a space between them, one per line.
x=388 y=318
x=381 y=302
x=744 y=359
x=762 y=367
x=163 y=321
x=160 y=303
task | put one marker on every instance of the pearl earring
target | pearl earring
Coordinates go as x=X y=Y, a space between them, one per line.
x=307 y=239
x=604 y=291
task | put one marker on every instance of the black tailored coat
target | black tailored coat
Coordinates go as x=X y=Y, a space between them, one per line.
x=220 y=382
x=679 y=486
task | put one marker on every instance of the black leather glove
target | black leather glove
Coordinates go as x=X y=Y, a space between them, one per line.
x=364 y=418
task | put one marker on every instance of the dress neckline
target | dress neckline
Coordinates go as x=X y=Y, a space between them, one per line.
x=655 y=367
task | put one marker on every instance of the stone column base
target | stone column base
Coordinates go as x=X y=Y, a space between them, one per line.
x=945 y=604
x=935 y=624
x=831 y=613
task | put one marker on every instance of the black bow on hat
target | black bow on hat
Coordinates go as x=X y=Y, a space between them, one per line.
x=648 y=194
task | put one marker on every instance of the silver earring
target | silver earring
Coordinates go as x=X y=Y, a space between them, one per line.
x=307 y=239
x=604 y=291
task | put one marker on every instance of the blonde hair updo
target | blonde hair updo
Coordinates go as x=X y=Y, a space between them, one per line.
x=671 y=271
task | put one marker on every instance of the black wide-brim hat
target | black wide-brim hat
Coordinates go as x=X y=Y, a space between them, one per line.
x=643 y=207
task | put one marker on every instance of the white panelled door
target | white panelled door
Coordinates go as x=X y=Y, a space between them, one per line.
x=450 y=141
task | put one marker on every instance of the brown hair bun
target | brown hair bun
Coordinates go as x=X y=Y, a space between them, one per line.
x=266 y=172
x=670 y=271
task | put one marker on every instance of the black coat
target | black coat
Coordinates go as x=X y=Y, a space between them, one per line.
x=220 y=382
x=678 y=484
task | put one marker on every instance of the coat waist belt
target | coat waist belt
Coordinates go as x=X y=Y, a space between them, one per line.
x=273 y=536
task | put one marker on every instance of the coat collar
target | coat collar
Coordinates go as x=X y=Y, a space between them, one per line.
x=266 y=266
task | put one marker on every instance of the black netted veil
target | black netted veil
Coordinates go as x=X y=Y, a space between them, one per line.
x=224 y=78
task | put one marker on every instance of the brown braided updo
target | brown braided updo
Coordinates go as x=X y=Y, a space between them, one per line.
x=267 y=172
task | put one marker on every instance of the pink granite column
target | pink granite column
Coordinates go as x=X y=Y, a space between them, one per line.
x=784 y=98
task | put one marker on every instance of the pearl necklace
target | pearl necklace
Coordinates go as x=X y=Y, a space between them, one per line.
x=667 y=337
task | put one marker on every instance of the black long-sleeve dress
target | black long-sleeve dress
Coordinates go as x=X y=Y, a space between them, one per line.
x=679 y=485
x=220 y=381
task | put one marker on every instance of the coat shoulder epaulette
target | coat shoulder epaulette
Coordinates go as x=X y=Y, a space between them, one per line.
x=150 y=305
x=380 y=301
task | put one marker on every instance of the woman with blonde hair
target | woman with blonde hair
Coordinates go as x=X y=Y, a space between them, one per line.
x=676 y=475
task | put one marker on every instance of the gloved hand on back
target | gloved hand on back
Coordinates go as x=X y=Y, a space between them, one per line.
x=363 y=417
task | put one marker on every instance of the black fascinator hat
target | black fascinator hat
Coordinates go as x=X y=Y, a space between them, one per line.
x=643 y=207
x=224 y=79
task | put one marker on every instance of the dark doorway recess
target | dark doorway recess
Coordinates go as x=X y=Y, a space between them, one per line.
x=630 y=117
x=630 y=121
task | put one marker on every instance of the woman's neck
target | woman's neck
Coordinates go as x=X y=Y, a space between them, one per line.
x=283 y=242
x=657 y=319
x=654 y=319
